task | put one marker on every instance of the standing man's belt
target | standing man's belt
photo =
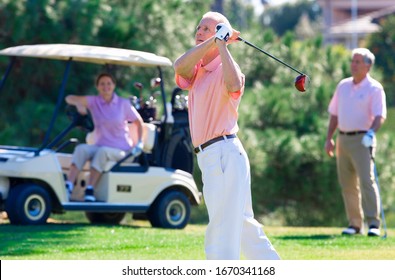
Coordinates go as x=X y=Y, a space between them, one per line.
x=352 y=132
x=212 y=141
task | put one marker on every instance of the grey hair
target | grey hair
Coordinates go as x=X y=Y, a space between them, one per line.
x=220 y=18
x=368 y=56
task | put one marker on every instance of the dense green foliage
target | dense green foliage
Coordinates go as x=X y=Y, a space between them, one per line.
x=285 y=18
x=293 y=180
x=382 y=45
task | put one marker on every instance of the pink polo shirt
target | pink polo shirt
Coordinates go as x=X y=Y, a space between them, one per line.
x=356 y=105
x=110 y=119
x=212 y=109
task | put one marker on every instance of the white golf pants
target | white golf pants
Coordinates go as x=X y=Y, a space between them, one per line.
x=232 y=229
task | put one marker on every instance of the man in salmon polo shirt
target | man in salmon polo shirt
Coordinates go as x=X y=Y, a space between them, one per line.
x=357 y=109
x=215 y=85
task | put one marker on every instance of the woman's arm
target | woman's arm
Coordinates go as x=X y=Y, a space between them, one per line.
x=81 y=102
x=139 y=123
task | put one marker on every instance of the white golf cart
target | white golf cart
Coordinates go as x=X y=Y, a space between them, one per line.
x=157 y=185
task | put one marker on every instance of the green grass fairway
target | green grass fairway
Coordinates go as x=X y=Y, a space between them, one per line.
x=320 y=243
x=139 y=241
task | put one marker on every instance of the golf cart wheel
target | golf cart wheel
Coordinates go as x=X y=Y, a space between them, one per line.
x=170 y=210
x=28 y=204
x=113 y=218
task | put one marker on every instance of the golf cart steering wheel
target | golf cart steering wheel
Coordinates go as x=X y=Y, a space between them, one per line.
x=82 y=121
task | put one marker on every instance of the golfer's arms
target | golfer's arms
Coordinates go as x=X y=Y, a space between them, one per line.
x=81 y=102
x=232 y=73
x=329 y=143
x=185 y=64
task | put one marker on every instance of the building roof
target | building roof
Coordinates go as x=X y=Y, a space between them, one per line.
x=366 y=24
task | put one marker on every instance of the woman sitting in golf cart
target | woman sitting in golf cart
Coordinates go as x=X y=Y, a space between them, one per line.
x=111 y=115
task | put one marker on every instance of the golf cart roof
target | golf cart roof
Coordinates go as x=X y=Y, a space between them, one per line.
x=86 y=53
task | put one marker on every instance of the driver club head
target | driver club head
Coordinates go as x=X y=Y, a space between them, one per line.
x=300 y=82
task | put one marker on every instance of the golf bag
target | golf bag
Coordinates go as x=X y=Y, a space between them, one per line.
x=178 y=152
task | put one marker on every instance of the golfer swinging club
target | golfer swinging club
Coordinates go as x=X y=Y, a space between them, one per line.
x=215 y=85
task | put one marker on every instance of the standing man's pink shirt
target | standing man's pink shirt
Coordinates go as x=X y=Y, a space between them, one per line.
x=368 y=95
x=225 y=121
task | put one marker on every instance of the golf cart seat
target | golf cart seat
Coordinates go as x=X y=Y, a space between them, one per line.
x=149 y=136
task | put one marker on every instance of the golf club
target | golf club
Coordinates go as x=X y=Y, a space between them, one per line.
x=155 y=82
x=378 y=186
x=139 y=86
x=299 y=80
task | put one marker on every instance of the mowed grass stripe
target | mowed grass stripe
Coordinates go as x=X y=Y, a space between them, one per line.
x=139 y=241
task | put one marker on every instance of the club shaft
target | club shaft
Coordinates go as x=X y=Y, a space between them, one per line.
x=381 y=201
x=270 y=55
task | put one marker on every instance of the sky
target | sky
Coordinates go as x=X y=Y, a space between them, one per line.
x=259 y=8
x=279 y=2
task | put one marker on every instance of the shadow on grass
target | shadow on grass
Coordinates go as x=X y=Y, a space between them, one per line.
x=26 y=240
x=307 y=237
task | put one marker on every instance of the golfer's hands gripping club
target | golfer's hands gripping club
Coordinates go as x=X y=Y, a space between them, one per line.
x=223 y=32
x=369 y=138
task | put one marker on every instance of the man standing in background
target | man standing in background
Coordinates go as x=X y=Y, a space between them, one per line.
x=357 y=109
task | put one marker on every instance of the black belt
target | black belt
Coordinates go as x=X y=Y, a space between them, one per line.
x=352 y=132
x=212 y=141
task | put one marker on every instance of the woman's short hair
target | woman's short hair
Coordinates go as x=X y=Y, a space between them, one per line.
x=105 y=75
